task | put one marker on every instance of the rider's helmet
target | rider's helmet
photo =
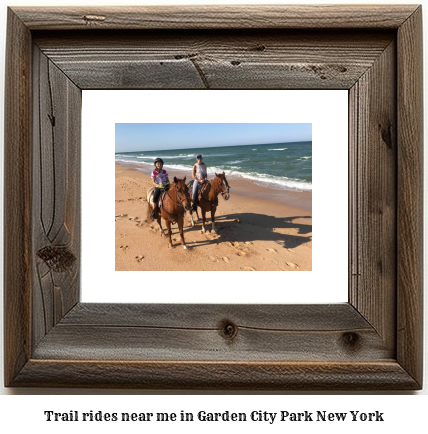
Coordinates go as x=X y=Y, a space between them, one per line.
x=158 y=160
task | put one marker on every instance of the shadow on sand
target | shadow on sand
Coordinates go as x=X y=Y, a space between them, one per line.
x=243 y=227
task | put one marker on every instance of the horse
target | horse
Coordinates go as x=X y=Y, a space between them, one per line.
x=208 y=198
x=175 y=202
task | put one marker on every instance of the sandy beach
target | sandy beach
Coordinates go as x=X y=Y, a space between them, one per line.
x=258 y=229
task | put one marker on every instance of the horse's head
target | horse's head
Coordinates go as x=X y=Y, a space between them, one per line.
x=223 y=185
x=182 y=190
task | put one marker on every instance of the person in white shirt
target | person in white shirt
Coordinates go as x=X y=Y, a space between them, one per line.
x=199 y=174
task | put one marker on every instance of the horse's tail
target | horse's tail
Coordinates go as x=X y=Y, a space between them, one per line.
x=148 y=206
x=148 y=212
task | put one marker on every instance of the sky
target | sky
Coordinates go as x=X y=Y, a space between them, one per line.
x=158 y=136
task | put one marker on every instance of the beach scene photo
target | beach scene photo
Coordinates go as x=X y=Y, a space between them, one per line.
x=256 y=178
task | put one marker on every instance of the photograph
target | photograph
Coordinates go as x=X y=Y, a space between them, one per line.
x=234 y=196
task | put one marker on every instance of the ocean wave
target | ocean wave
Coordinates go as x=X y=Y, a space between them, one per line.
x=164 y=157
x=125 y=161
x=137 y=163
x=261 y=179
x=178 y=167
x=279 y=149
x=264 y=180
x=304 y=158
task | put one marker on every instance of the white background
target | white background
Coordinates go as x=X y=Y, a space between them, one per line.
x=403 y=413
x=328 y=113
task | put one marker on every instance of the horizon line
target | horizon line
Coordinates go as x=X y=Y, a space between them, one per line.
x=218 y=146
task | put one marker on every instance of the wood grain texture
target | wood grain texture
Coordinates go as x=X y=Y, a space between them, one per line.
x=372 y=342
x=17 y=220
x=386 y=375
x=56 y=198
x=410 y=196
x=217 y=17
x=198 y=332
x=373 y=163
x=216 y=59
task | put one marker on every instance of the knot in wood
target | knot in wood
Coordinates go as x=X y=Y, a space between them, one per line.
x=228 y=330
x=351 y=340
x=58 y=259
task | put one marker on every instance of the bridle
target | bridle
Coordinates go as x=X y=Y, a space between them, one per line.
x=180 y=200
x=213 y=186
x=224 y=182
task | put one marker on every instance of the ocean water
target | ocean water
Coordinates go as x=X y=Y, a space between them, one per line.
x=281 y=166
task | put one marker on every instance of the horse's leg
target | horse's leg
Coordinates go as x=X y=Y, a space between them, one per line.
x=168 y=225
x=213 y=210
x=180 y=224
x=203 y=220
x=159 y=220
x=191 y=217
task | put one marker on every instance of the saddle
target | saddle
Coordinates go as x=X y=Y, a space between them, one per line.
x=161 y=196
x=201 y=189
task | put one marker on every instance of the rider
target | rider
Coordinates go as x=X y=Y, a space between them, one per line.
x=160 y=181
x=199 y=174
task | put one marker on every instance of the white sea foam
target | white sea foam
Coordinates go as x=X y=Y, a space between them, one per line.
x=280 y=149
x=264 y=180
x=178 y=167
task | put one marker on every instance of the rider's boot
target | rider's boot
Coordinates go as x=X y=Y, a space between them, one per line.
x=154 y=213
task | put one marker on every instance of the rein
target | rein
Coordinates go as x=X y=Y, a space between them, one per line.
x=215 y=201
x=175 y=216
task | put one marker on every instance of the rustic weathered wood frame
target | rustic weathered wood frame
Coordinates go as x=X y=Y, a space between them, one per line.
x=372 y=342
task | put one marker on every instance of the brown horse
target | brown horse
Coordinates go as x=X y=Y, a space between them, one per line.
x=208 y=199
x=175 y=202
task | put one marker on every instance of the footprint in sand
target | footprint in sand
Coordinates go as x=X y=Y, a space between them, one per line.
x=123 y=247
x=229 y=244
x=272 y=250
x=226 y=259
x=273 y=260
x=242 y=254
x=121 y=215
x=139 y=258
x=248 y=243
x=213 y=259
x=133 y=218
x=292 y=265
x=248 y=269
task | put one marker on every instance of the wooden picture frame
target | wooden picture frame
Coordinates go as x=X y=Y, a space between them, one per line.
x=372 y=342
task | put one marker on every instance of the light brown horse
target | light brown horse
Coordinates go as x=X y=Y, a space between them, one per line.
x=208 y=199
x=175 y=203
